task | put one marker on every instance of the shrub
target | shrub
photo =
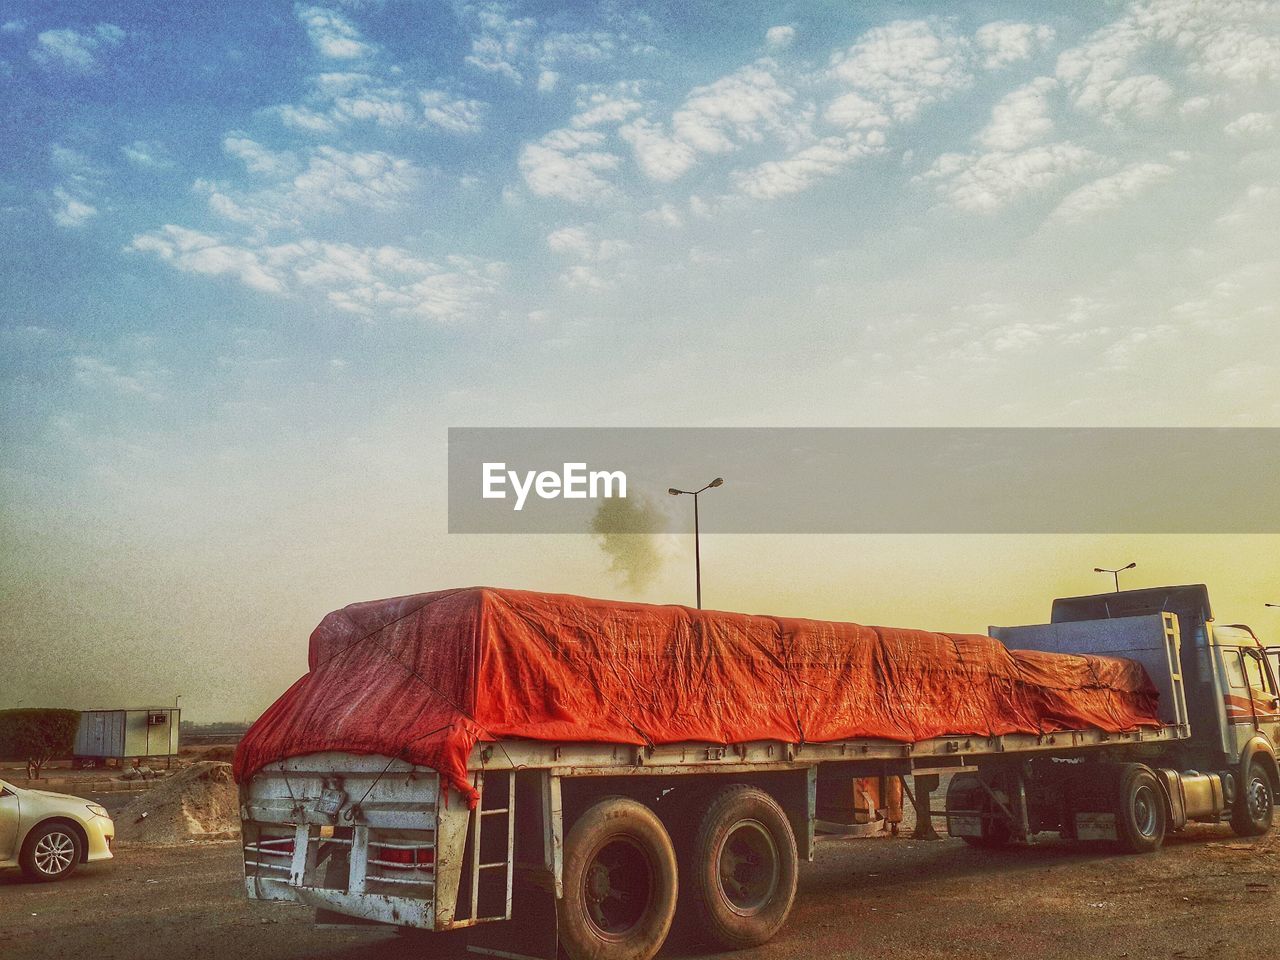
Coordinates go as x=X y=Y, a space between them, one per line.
x=37 y=736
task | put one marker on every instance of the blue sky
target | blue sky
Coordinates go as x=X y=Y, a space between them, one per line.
x=259 y=256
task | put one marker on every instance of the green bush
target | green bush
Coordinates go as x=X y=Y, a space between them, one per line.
x=37 y=736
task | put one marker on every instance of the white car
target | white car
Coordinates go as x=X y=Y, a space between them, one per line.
x=48 y=835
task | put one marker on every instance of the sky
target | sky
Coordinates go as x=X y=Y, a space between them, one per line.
x=258 y=257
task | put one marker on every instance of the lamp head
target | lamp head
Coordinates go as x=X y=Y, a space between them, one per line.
x=674 y=492
x=1130 y=566
x=716 y=482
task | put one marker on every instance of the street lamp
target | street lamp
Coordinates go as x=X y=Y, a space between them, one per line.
x=1115 y=572
x=697 y=559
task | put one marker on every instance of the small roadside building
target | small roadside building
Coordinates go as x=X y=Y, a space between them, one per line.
x=106 y=735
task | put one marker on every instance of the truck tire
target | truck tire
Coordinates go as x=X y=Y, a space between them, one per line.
x=51 y=851
x=996 y=831
x=742 y=868
x=619 y=883
x=1141 y=817
x=1255 y=802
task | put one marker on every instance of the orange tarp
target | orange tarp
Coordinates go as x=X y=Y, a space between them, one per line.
x=425 y=677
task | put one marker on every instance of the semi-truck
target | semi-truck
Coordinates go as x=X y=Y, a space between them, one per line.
x=595 y=848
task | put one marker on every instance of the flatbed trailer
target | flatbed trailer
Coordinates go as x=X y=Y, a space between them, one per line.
x=596 y=849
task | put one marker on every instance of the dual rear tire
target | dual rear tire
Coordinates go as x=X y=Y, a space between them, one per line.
x=622 y=880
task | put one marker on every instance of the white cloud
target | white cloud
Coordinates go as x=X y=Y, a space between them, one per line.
x=330 y=181
x=547 y=80
x=905 y=66
x=259 y=159
x=659 y=156
x=501 y=44
x=985 y=183
x=337 y=99
x=13 y=26
x=1003 y=42
x=568 y=164
x=780 y=37
x=147 y=154
x=603 y=108
x=1235 y=41
x=363 y=280
x=1109 y=192
x=584 y=244
x=75 y=50
x=1251 y=125
x=666 y=215
x=98 y=374
x=452 y=114
x=745 y=106
x=802 y=169
x=332 y=34
x=1021 y=117
x=68 y=211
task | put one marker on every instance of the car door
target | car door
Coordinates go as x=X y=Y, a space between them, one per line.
x=8 y=824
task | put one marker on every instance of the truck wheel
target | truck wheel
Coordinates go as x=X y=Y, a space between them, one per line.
x=742 y=868
x=996 y=831
x=1140 y=812
x=619 y=883
x=1255 y=803
x=50 y=852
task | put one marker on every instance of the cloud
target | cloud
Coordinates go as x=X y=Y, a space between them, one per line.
x=745 y=106
x=780 y=178
x=568 y=164
x=338 y=99
x=501 y=43
x=1251 y=125
x=906 y=65
x=75 y=50
x=547 y=80
x=583 y=243
x=329 y=181
x=987 y=182
x=258 y=159
x=1234 y=41
x=361 y=280
x=98 y=374
x=604 y=108
x=666 y=215
x=1021 y=117
x=147 y=154
x=780 y=37
x=68 y=211
x=1003 y=43
x=332 y=34
x=1110 y=192
x=454 y=115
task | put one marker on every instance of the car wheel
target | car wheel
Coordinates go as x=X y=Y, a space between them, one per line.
x=51 y=852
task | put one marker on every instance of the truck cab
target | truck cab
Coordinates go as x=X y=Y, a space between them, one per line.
x=1229 y=679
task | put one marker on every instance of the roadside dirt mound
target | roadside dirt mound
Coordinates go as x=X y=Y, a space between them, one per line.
x=198 y=803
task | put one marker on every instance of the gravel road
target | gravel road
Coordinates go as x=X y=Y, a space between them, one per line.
x=1207 y=894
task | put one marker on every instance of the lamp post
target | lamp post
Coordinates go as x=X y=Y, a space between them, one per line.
x=697 y=559
x=1115 y=572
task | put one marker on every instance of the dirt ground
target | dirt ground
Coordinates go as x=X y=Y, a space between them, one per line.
x=1207 y=894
